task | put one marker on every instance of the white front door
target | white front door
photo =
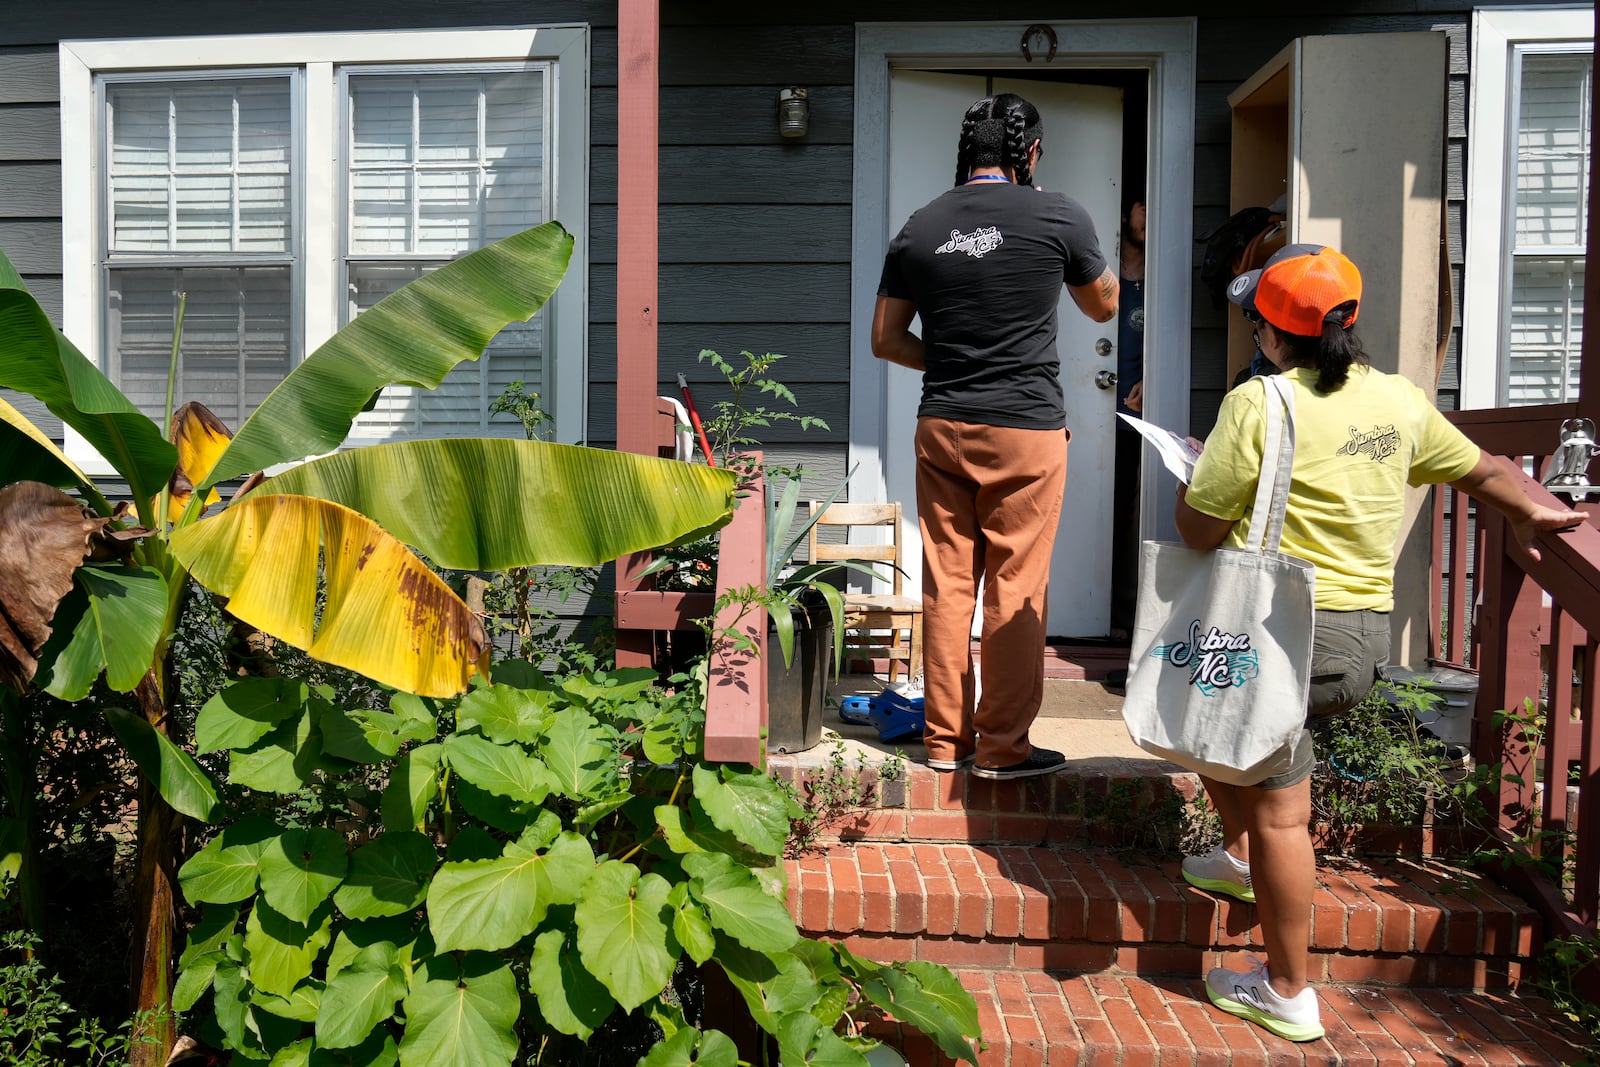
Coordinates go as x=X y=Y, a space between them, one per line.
x=1083 y=158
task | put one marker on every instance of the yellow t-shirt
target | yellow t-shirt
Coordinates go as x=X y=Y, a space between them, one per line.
x=1356 y=449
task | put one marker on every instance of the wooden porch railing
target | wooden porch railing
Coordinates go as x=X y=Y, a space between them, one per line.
x=1525 y=626
x=736 y=692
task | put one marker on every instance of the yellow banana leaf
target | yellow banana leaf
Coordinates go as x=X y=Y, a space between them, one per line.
x=386 y=615
x=488 y=504
x=201 y=438
x=30 y=456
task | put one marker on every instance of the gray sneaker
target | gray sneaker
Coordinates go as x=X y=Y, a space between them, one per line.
x=1250 y=996
x=1218 y=872
x=951 y=764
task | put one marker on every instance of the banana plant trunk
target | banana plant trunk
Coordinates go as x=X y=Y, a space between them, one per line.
x=155 y=913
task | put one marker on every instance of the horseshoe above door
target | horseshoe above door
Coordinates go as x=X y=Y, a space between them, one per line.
x=1044 y=35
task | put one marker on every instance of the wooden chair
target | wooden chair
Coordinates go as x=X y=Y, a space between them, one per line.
x=874 y=622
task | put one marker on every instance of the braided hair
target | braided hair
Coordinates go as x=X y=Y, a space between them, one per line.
x=996 y=132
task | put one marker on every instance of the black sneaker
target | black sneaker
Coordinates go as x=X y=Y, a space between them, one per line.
x=1039 y=761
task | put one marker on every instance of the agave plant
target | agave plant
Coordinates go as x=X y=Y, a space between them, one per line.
x=91 y=589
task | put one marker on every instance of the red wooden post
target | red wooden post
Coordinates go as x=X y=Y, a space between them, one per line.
x=1508 y=659
x=1586 y=869
x=1589 y=353
x=736 y=692
x=638 y=138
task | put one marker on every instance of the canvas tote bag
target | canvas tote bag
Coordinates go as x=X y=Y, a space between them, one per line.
x=1221 y=655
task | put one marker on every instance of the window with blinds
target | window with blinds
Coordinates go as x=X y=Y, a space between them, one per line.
x=439 y=163
x=1548 y=221
x=200 y=200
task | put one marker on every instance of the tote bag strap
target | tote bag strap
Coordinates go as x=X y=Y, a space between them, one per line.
x=1277 y=467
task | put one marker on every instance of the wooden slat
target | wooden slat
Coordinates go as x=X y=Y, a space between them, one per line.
x=30 y=133
x=735 y=115
x=30 y=190
x=1514 y=431
x=736 y=233
x=32 y=245
x=1586 y=872
x=814 y=352
x=29 y=76
x=753 y=174
x=755 y=292
x=1558 y=738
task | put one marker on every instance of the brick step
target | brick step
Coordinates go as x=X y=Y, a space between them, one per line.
x=1102 y=801
x=1011 y=908
x=1035 y=1019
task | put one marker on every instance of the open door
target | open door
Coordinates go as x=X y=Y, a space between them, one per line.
x=1083 y=158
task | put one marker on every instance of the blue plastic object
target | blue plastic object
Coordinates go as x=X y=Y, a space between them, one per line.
x=894 y=715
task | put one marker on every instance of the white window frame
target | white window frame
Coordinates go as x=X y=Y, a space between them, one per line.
x=321 y=57
x=1498 y=35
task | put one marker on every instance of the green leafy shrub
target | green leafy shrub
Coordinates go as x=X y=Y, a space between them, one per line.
x=38 y=1028
x=544 y=873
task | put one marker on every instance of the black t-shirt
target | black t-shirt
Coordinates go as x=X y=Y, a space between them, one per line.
x=984 y=265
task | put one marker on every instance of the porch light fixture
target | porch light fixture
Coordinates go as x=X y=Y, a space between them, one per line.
x=794 y=112
x=1568 y=473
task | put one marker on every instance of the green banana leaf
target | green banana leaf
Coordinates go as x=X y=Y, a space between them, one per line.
x=35 y=358
x=414 y=336
x=31 y=456
x=490 y=504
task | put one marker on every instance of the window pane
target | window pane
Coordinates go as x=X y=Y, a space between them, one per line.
x=1552 y=165
x=199 y=166
x=442 y=163
x=236 y=336
x=460 y=405
x=1546 y=330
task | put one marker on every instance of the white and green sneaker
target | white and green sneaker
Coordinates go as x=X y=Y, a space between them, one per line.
x=1250 y=996
x=1219 y=872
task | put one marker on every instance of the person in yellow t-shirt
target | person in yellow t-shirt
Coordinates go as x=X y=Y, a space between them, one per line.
x=1361 y=436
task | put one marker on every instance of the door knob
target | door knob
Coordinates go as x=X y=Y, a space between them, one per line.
x=1102 y=347
x=1106 y=379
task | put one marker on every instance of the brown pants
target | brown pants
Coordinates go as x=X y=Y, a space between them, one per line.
x=988 y=504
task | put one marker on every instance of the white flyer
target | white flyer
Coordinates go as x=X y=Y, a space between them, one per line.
x=1175 y=450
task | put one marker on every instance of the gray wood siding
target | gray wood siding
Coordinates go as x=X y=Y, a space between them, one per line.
x=754 y=231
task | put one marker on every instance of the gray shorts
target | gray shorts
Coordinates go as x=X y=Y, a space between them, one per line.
x=1348 y=648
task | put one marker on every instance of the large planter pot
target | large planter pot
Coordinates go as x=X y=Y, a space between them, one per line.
x=795 y=694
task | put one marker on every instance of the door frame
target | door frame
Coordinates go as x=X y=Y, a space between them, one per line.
x=1163 y=47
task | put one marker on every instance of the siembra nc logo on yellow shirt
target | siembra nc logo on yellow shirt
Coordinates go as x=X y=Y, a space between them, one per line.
x=1377 y=444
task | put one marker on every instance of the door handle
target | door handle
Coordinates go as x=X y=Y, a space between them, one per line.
x=1102 y=347
x=1106 y=379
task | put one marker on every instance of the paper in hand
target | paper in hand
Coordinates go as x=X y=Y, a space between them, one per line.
x=1176 y=452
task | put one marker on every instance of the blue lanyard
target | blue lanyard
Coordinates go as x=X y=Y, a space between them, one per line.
x=987 y=178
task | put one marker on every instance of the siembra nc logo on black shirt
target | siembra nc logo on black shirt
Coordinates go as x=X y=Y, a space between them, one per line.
x=975 y=244
x=1377 y=444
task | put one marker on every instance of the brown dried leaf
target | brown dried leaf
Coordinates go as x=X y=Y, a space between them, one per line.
x=44 y=536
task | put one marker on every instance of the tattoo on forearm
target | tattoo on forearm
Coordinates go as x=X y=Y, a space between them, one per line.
x=1108 y=285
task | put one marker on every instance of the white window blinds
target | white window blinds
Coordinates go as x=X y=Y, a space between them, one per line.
x=199 y=176
x=441 y=163
x=1549 y=222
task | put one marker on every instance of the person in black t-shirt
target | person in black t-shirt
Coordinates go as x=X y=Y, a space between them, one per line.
x=983 y=265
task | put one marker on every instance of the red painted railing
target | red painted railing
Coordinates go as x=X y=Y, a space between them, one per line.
x=1525 y=626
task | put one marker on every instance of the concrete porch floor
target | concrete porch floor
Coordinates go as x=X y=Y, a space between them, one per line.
x=1081 y=718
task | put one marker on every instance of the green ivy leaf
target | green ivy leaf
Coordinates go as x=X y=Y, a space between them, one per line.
x=622 y=932
x=358 y=735
x=693 y=1048
x=299 y=1006
x=737 y=903
x=570 y=998
x=174 y=772
x=461 y=1015
x=501 y=813
x=821 y=961
x=580 y=758
x=501 y=769
x=413 y=782
x=930 y=998
x=690 y=925
x=227 y=869
x=210 y=932
x=300 y=869
x=612 y=687
x=803 y=1039
x=195 y=979
x=230 y=1002
x=283 y=760
x=745 y=803
x=245 y=711
x=506 y=715
x=283 y=950
x=118 y=631
x=388 y=876
x=772 y=985
x=669 y=817
x=493 y=904
x=394 y=935
x=362 y=996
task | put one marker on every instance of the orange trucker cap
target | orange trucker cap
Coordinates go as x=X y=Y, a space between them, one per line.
x=1297 y=287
